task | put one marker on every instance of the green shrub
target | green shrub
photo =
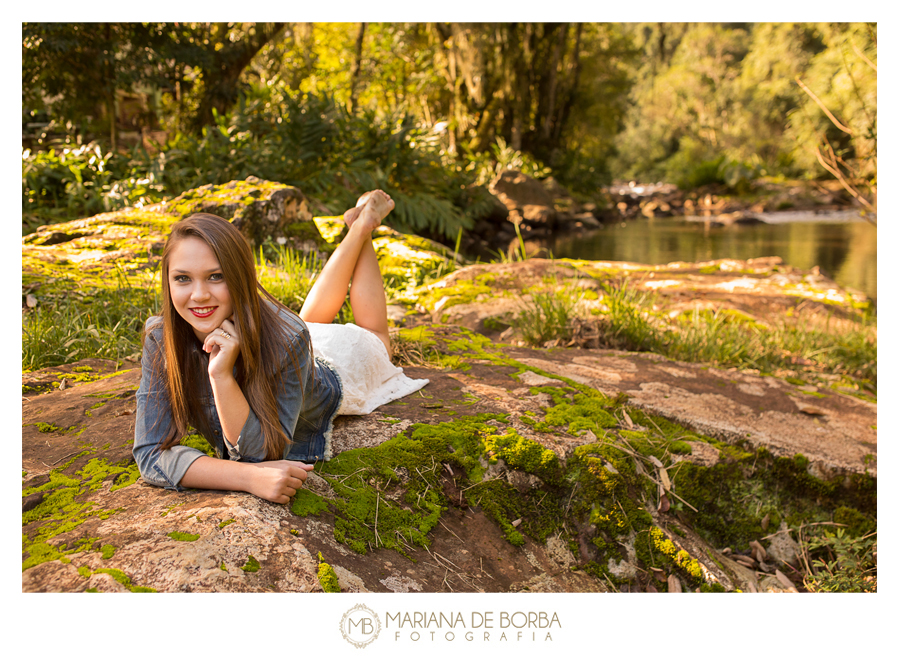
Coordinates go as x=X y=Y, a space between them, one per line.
x=844 y=563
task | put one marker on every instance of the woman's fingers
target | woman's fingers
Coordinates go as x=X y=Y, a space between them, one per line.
x=230 y=328
x=284 y=479
x=300 y=471
x=292 y=485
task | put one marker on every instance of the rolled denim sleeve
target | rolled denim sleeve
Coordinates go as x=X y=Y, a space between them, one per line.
x=291 y=398
x=153 y=422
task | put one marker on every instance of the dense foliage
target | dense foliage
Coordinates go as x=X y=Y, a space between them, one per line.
x=121 y=113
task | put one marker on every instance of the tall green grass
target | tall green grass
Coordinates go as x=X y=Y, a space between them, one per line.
x=547 y=316
x=103 y=324
x=724 y=338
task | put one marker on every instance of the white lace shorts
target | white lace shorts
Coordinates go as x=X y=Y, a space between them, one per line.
x=368 y=378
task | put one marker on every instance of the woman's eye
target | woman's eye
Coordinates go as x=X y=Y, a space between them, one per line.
x=217 y=277
x=181 y=278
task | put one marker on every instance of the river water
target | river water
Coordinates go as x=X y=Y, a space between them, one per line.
x=842 y=245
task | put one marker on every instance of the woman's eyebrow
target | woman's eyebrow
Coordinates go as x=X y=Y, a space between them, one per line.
x=210 y=271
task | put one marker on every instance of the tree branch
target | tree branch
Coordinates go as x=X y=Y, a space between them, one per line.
x=865 y=59
x=821 y=105
x=839 y=175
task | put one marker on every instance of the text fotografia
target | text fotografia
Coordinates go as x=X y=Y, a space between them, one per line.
x=480 y=626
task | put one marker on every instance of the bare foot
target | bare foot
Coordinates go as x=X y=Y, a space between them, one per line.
x=351 y=214
x=374 y=209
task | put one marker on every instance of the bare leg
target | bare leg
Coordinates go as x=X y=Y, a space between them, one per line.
x=355 y=260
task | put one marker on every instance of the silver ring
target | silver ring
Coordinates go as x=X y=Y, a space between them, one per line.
x=226 y=334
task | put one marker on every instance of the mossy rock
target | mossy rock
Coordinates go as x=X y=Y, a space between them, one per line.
x=262 y=210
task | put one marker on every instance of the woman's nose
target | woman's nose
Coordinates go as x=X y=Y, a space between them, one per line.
x=200 y=292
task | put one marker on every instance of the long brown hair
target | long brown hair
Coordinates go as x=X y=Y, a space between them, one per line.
x=264 y=338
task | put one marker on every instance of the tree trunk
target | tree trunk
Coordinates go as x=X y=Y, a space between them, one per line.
x=223 y=69
x=354 y=70
x=111 y=87
x=571 y=93
x=550 y=117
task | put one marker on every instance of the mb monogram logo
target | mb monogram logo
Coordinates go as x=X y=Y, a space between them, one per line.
x=360 y=626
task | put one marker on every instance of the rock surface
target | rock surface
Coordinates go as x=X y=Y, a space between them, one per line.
x=116 y=533
x=556 y=469
x=525 y=198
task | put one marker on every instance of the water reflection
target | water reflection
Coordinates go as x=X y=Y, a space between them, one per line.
x=845 y=251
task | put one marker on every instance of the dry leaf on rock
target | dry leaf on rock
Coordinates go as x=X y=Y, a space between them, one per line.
x=745 y=561
x=664 y=476
x=784 y=580
x=757 y=550
x=663 y=504
x=674 y=585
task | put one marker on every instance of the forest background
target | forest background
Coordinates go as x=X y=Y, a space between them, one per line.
x=122 y=114
x=128 y=114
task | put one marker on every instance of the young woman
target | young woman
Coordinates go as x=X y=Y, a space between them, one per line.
x=260 y=384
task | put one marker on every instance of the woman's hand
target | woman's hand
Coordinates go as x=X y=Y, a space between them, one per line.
x=223 y=345
x=278 y=481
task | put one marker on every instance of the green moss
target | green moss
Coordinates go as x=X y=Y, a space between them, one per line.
x=118 y=576
x=225 y=523
x=794 y=473
x=252 y=565
x=524 y=454
x=84 y=572
x=814 y=394
x=666 y=553
x=122 y=577
x=46 y=428
x=327 y=577
x=168 y=509
x=857 y=523
x=462 y=291
x=680 y=448
x=366 y=518
x=183 y=536
x=305 y=502
x=712 y=587
x=61 y=511
x=199 y=443
x=107 y=551
x=307 y=230
x=40 y=552
x=584 y=413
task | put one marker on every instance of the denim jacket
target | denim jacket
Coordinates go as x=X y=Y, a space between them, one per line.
x=306 y=408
